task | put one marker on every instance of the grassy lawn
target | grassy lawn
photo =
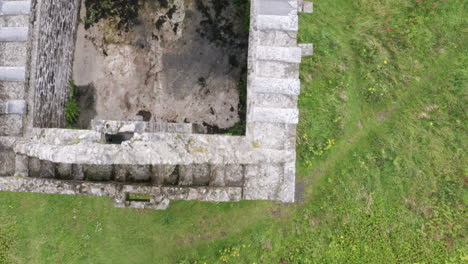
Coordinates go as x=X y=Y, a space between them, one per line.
x=381 y=162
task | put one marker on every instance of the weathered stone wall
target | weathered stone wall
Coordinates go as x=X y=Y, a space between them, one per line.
x=56 y=21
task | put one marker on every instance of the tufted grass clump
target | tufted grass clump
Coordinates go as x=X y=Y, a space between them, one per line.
x=72 y=108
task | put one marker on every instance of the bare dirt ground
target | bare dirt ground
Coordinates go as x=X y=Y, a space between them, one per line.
x=182 y=62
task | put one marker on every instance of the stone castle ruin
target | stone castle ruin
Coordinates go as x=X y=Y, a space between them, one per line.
x=152 y=89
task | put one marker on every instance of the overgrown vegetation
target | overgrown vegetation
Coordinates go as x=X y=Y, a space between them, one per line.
x=72 y=108
x=125 y=12
x=388 y=187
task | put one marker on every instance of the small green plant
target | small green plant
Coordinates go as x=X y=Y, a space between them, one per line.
x=72 y=109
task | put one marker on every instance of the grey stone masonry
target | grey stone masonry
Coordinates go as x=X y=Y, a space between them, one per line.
x=13 y=34
x=148 y=164
x=12 y=74
x=15 y=7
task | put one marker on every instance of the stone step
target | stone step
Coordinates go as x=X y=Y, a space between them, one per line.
x=276 y=85
x=12 y=90
x=277 y=38
x=274 y=115
x=13 y=54
x=277 y=69
x=274 y=22
x=13 y=34
x=14 y=21
x=12 y=74
x=271 y=100
x=276 y=7
x=9 y=8
x=13 y=107
x=283 y=54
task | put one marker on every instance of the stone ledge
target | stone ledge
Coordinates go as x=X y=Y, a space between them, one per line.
x=276 y=85
x=272 y=22
x=13 y=107
x=274 y=115
x=14 y=34
x=277 y=69
x=12 y=73
x=15 y=8
x=284 y=54
x=166 y=151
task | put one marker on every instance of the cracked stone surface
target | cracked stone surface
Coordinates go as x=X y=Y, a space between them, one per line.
x=183 y=62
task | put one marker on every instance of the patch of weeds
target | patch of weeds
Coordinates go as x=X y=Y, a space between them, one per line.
x=72 y=109
x=125 y=12
x=239 y=128
x=7 y=238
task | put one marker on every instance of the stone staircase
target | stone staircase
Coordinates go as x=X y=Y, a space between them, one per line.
x=14 y=23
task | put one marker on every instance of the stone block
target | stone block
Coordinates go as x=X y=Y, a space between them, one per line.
x=9 y=8
x=273 y=135
x=64 y=171
x=13 y=54
x=275 y=85
x=271 y=100
x=274 y=115
x=16 y=107
x=11 y=90
x=307 y=49
x=97 y=172
x=139 y=173
x=7 y=161
x=14 y=34
x=274 y=22
x=306 y=7
x=21 y=166
x=165 y=174
x=227 y=175
x=277 y=38
x=11 y=73
x=194 y=175
x=277 y=69
x=14 y=21
x=262 y=182
x=284 y=54
x=11 y=125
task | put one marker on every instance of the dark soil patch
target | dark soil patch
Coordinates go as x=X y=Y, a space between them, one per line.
x=85 y=96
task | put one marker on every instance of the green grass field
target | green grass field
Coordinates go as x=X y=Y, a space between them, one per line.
x=381 y=162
